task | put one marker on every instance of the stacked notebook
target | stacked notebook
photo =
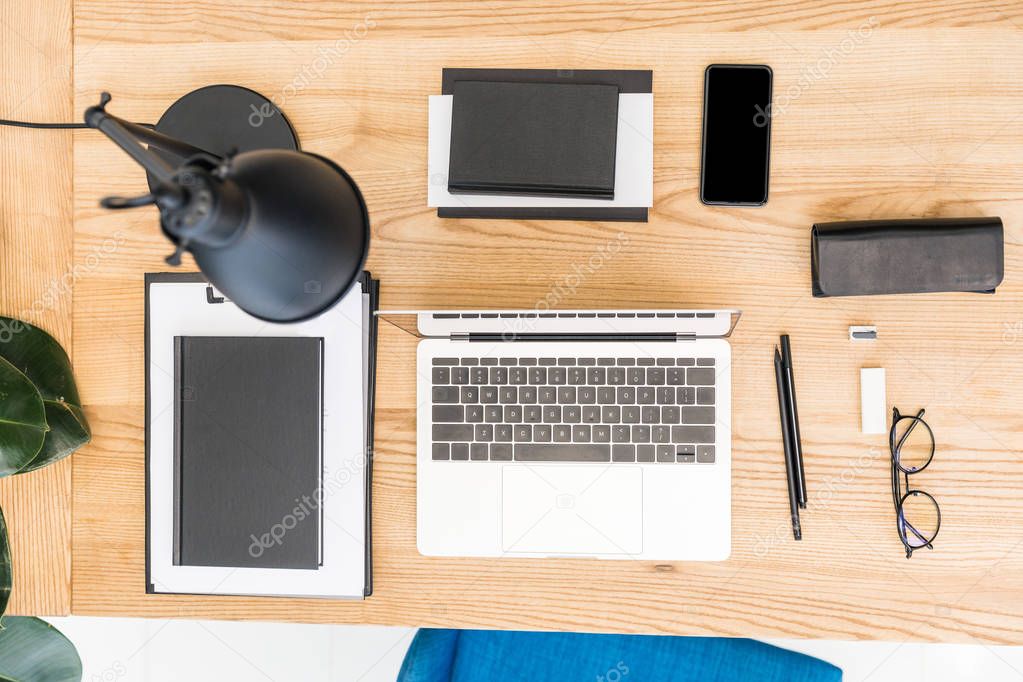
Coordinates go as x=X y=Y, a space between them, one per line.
x=536 y=143
x=258 y=444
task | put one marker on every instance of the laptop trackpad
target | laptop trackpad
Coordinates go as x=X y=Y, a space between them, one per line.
x=572 y=509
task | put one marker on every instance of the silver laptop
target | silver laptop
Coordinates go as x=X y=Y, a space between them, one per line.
x=576 y=433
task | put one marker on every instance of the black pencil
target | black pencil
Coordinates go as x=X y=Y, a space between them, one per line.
x=790 y=466
x=797 y=439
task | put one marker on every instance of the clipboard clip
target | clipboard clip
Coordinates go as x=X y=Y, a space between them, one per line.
x=212 y=295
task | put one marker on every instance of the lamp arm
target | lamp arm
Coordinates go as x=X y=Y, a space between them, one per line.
x=130 y=136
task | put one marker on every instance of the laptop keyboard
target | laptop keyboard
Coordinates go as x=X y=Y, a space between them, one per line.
x=548 y=409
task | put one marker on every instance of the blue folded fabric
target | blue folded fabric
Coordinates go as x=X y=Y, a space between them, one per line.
x=484 y=655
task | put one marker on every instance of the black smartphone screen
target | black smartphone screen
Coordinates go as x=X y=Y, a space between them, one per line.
x=736 y=134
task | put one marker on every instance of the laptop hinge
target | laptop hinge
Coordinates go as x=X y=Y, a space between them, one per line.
x=493 y=337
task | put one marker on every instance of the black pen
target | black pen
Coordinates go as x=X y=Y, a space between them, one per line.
x=797 y=441
x=790 y=467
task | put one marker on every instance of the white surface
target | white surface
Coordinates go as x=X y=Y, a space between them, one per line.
x=873 y=400
x=634 y=161
x=459 y=504
x=136 y=650
x=180 y=309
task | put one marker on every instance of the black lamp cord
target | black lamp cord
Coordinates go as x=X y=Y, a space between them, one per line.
x=50 y=126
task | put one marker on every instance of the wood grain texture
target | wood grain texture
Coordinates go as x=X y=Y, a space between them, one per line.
x=881 y=110
x=35 y=261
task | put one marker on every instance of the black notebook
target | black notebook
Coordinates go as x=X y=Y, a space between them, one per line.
x=248 y=431
x=550 y=139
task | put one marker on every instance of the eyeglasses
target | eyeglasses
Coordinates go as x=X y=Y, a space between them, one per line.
x=917 y=515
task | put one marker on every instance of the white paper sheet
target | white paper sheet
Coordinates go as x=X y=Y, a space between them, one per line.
x=180 y=309
x=634 y=161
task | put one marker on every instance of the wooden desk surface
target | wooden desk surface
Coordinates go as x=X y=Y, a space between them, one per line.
x=881 y=110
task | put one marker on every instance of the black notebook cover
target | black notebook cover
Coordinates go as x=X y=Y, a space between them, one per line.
x=551 y=139
x=248 y=451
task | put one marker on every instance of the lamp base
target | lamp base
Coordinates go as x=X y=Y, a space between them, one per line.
x=221 y=118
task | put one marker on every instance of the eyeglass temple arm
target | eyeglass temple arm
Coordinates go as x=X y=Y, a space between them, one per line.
x=909 y=429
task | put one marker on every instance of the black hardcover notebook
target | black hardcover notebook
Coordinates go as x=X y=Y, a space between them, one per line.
x=549 y=139
x=248 y=432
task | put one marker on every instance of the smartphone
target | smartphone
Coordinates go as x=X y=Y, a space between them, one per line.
x=736 y=134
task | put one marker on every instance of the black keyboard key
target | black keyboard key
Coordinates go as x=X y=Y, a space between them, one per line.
x=705 y=362
x=636 y=376
x=547 y=395
x=488 y=361
x=626 y=362
x=513 y=414
x=665 y=395
x=478 y=375
x=441 y=375
x=626 y=395
x=605 y=362
x=562 y=433
x=546 y=361
x=484 y=433
x=518 y=375
x=441 y=451
x=671 y=414
x=565 y=362
x=567 y=452
x=645 y=362
x=542 y=433
x=445 y=394
x=523 y=433
x=527 y=395
x=644 y=453
x=478 y=452
x=532 y=414
x=692 y=434
x=566 y=394
x=508 y=362
x=697 y=415
x=605 y=395
x=686 y=395
x=586 y=395
x=488 y=394
x=527 y=361
x=571 y=414
x=705 y=454
x=576 y=376
x=452 y=432
x=700 y=376
x=581 y=433
x=469 y=394
x=460 y=451
x=651 y=414
x=445 y=361
x=448 y=413
x=474 y=413
x=641 y=433
x=659 y=433
x=630 y=414
x=591 y=414
x=616 y=376
x=655 y=376
x=601 y=433
x=499 y=375
x=665 y=453
x=685 y=453
x=611 y=414
x=623 y=453
x=675 y=376
x=685 y=362
x=556 y=376
x=500 y=452
x=705 y=395
x=646 y=395
x=470 y=361
x=503 y=433
x=459 y=375
x=537 y=376
x=493 y=414
x=588 y=362
x=621 y=433
x=508 y=394
x=552 y=414
x=596 y=376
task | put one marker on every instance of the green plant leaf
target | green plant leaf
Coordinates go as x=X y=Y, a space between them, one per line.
x=6 y=570
x=42 y=359
x=22 y=419
x=32 y=650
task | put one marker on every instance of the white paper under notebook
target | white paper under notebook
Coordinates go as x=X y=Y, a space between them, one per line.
x=185 y=307
x=634 y=162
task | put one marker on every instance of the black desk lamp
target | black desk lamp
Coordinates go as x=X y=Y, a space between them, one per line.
x=281 y=232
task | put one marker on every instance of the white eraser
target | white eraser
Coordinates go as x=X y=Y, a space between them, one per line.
x=873 y=401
